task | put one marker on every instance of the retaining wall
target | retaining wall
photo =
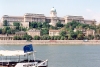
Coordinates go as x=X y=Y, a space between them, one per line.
x=49 y=42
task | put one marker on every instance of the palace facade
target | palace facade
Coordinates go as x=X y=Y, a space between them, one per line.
x=52 y=19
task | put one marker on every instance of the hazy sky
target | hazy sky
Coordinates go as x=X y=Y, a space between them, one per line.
x=89 y=9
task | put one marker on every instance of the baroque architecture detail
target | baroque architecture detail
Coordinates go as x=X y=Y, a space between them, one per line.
x=52 y=19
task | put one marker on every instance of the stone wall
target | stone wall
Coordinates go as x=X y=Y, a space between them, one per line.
x=49 y=42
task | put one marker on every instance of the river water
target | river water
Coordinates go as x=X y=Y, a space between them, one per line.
x=66 y=56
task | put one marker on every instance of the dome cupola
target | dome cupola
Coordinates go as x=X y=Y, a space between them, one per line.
x=53 y=12
x=53 y=9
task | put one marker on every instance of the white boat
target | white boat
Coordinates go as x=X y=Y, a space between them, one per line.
x=16 y=58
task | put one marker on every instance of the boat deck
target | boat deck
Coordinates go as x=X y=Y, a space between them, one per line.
x=11 y=64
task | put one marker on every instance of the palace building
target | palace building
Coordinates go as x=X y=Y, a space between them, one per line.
x=52 y=19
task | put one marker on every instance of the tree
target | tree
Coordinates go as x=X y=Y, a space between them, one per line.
x=34 y=25
x=0 y=31
x=30 y=25
x=69 y=37
x=45 y=25
x=17 y=38
x=36 y=38
x=23 y=29
x=59 y=24
x=16 y=24
x=58 y=37
x=39 y=24
x=90 y=37
x=52 y=37
x=17 y=28
x=55 y=37
x=27 y=37
x=44 y=31
x=62 y=38
x=63 y=33
x=97 y=37
x=73 y=35
x=9 y=31
x=5 y=23
x=23 y=38
x=3 y=31
x=53 y=27
x=45 y=37
x=80 y=37
x=7 y=28
x=12 y=31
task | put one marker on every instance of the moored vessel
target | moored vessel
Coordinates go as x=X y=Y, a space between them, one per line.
x=21 y=58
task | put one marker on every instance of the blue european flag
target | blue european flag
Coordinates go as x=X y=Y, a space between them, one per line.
x=28 y=48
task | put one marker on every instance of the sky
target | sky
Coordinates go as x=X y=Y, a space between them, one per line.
x=89 y=9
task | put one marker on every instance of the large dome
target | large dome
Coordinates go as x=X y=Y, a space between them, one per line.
x=53 y=9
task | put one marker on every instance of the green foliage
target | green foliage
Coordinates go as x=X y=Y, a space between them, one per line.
x=97 y=37
x=79 y=27
x=80 y=37
x=58 y=37
x=17 y=28
x=67 y=31
x=52 y=38
x=21 y=29
x=9 y=31
x=63 y=33
x=34 y=25
x=44 y=31
x=72 y=25
x=55 y=37
x=16 y=24
x=73 y=36
x=3 y=31
x=45 y=37
x=45 y=25
x=52 y=27
x=70 y=37
x=36 y=38
x=59 y=24
x=0 y=31
x=25 y=37
x=24 y=29
x=6 y=28
x=90 y=37
x=17 y=38
x=39 y=24
x=5 y=23
x=62 y=38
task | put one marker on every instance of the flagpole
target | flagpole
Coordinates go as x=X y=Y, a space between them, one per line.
x=27 y=57
x=29 y=48
x=33 y=55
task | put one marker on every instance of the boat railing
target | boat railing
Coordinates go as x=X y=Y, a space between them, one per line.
x=15 y=59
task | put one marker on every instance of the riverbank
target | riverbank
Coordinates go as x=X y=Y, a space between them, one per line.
x=50 y=42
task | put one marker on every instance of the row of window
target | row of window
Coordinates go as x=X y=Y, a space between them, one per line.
x=14 y=19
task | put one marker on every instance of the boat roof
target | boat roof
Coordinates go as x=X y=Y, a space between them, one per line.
x=13 y=52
